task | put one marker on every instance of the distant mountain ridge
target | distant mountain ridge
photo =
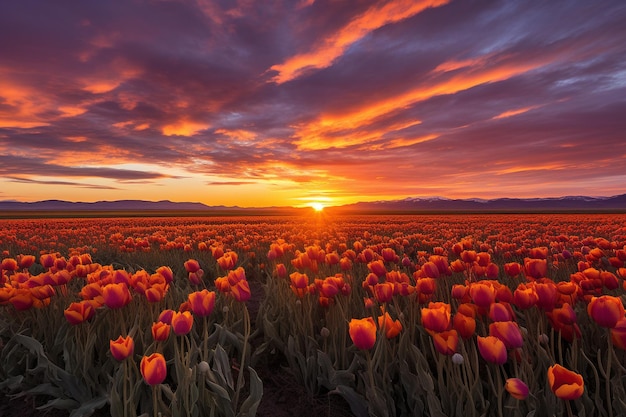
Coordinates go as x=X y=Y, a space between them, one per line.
x=118 y=205
x=442 y=204
x=410 y=204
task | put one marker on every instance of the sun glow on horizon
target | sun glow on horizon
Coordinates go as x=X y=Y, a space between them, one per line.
x=317 y=206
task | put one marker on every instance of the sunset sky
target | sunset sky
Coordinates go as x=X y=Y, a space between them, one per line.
x=290 y=102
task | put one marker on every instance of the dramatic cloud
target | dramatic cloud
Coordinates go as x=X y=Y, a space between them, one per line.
x=290 y=102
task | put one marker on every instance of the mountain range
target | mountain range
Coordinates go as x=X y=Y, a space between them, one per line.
x=412 y=204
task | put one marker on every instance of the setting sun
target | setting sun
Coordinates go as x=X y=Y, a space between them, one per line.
x=317 y=206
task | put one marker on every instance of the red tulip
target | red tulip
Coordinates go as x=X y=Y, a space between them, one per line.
x=606 y=310
x=363 y=332
x=116 y=295
x=153 y=369
x=508 y=332
x=182 y=322
x=565 y=384
x=122 y=348
x=202 y=302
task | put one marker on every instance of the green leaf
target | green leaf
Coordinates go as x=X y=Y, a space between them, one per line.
x=356 y=401
x=88 y=408
x=221 y=365
x=250 y=405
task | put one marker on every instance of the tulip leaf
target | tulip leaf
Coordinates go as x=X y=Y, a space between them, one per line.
x=356 y=401
x=86 y=409
x=221 y=365
x=250 y=405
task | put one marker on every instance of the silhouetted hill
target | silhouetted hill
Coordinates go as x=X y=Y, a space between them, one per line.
x=124 y=205
x=439 y=204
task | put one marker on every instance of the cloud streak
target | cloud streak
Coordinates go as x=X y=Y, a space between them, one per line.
x=270 y=104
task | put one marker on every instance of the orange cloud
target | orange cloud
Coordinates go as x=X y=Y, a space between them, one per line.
x=324 y=133
x=515 y=112
x=334 y=46
x=184 y=128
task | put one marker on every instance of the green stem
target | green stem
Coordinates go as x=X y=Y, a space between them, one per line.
x=246 y=324
x=607 y=377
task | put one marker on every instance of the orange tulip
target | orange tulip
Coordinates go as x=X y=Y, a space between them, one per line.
x=390 y=327
x=446 y=342
x=464 y=325
x=525 y=296
x=160 y=331
x=618 y=334
x=202 y=302
x=483 y=294
x=191 y=265
x=378 y=268
x=565 y=384
x=517 y=388
x=9 y=264
x=241 y=291
x=436 y=317
x=508 y=332
x=536 y=268
x=383 y=292
x=78 y=312
x=363 y=332
x=606 y=310
x=512 y=269
x=122 y=348
x=492 y=349
x=153 y=369
x=116 y=295
x=182 y=322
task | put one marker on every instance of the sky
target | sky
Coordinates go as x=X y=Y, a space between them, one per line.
x=294 y=102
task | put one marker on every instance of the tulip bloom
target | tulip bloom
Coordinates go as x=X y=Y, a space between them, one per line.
x=191 y=266
x=436 y=317
x=378 y=268
x=606 y=310
x=160 y=331
x=446 y=342
x=565 y=384
x=363 y=332
x=517 y=388
x=618 y=334
x=465 y=325
x=78 y=312
x=383 y=292
x=116 y=295
x=390 y=327
x=525 y=296
x=483 y=294
x=153 y=369
x=492 y=349
x=122 y=348
x=182 y=322
x=202 y=302
x=508 y=332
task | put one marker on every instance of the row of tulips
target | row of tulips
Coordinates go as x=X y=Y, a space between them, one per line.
x=445 y=315
x=167 y=325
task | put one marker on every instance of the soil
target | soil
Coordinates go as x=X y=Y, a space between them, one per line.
x=283 y=396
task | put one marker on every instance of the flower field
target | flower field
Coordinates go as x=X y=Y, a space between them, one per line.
x=453 y=315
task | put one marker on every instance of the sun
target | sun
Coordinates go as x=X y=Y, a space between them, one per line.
x=317 y=206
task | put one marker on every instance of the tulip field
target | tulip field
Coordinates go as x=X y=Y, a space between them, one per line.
x=397 y=315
